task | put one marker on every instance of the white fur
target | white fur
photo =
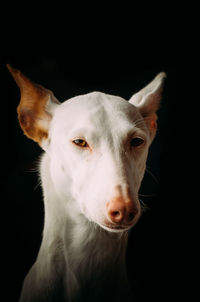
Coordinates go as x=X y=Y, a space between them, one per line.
x=82 y=255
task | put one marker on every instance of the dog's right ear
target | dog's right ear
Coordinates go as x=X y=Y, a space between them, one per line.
x=36 y=107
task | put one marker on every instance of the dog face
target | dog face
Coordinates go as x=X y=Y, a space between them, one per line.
x=97 y=146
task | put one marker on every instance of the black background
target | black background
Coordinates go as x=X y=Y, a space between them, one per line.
x=159 y=252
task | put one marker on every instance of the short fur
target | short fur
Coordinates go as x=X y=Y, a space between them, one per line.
x=91 y=191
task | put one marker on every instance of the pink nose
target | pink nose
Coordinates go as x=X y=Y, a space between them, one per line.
x=121 y=210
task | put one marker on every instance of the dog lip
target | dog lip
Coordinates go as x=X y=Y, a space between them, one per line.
x=114 y=227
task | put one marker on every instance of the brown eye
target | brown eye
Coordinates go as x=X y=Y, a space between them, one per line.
x=137 y=141
x=80 y=142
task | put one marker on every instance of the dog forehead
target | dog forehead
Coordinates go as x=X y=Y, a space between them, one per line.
x=95 y=107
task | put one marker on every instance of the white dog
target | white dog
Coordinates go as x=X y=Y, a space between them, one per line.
x=96 y=146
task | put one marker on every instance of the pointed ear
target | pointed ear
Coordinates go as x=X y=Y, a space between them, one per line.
x=36 y=107
x=148 y=99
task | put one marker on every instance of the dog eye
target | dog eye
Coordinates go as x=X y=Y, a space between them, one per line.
x=80 y=142
x=137 y=141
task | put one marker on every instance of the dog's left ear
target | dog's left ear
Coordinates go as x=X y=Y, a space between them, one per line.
x=148 y=99
x=36 y=108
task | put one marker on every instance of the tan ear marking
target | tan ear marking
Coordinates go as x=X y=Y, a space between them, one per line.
x=32 y=112
x=153 y=125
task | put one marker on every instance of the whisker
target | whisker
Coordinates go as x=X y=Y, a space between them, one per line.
x=33 y=166
x=144 y=206
x=147 y=195
x=37 y=185
x=153 y=176
x=139 y=122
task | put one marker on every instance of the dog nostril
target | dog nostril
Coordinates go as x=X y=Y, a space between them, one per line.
x=116 y=216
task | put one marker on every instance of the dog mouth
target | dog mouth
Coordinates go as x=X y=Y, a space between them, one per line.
x=116 y=228
x=119 y=227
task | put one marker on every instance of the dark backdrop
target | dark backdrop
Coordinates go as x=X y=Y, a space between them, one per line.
x=157 y=256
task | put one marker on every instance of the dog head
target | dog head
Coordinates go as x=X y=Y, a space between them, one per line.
x=97 y=145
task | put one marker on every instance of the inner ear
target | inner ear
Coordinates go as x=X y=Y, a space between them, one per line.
x=35 y=126
x=147 y=100
x=36 y=107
